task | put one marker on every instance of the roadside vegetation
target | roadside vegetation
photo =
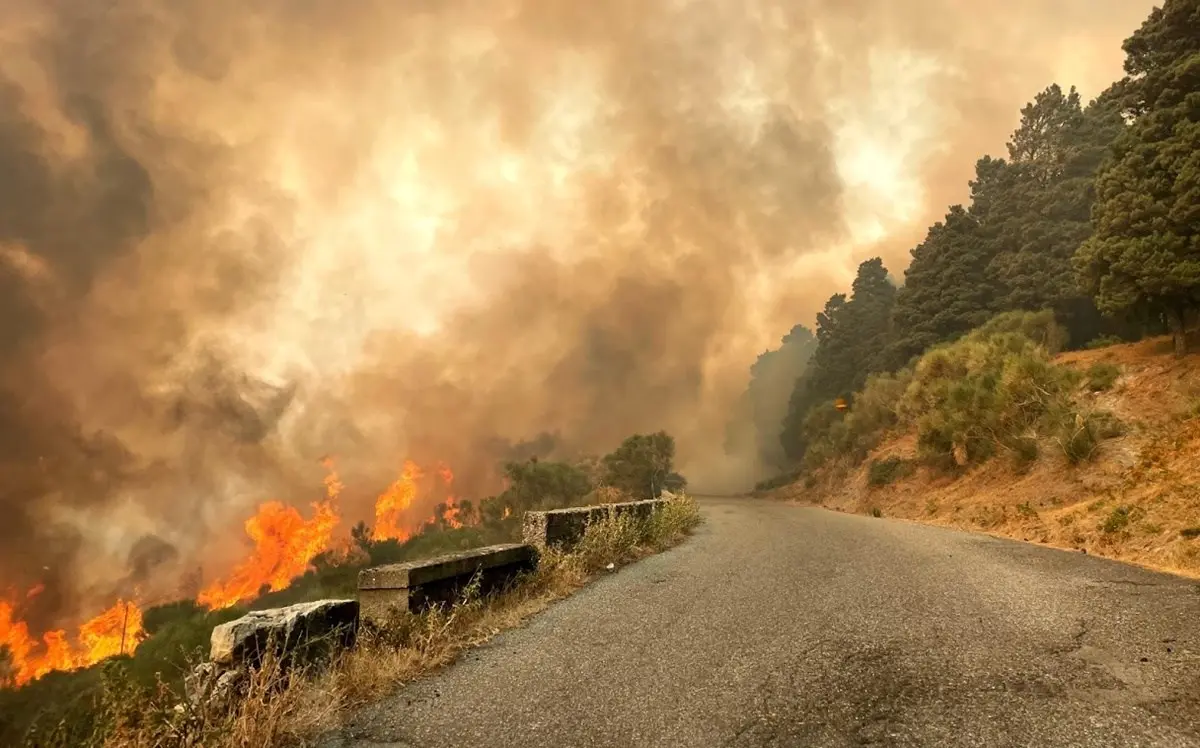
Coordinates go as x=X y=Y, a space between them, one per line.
x=115 y=703
x=1000 y=385
x=281 y=708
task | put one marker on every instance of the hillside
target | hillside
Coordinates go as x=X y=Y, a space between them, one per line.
x=1136 y=500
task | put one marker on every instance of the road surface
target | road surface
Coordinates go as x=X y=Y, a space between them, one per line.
x=786 y=626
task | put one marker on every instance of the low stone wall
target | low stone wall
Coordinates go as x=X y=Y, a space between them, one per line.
x=308 y=631
x=415 y=585
x=565 y=527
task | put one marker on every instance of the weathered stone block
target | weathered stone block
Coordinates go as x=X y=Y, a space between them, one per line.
x=415 y=585
x=306 y=631
x=565 y=527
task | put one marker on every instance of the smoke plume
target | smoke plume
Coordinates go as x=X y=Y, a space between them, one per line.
x=237 y=237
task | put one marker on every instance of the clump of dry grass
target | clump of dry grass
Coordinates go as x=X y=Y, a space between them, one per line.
x=280 y=706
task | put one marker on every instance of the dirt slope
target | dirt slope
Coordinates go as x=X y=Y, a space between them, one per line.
x=1138 y=500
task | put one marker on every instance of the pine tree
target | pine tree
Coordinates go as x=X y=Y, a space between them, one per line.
x=1145 y=252
x=1039 y=213
x=851 y=335
x=948 y=287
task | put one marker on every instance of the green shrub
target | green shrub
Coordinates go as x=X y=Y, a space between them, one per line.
x=876 y=512
x=642 y=465
x=1190 y=532
x=1104 y=341
x=1024 y=450
x=884 y=472
x=1102 y=376
x=873 y=413
x=1026 y=510
x=1039 y=327
x=1119 y=519
x=990 y=390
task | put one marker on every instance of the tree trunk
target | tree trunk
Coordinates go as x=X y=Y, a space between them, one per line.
x=1175 y=320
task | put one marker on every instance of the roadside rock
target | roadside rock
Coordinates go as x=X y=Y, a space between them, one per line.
x=212 y=686
x=305 y=630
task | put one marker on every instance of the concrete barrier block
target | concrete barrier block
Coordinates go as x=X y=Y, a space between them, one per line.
x=565 y=527
x=415 y=585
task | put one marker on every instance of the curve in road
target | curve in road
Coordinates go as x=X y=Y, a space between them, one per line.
x=779 y=625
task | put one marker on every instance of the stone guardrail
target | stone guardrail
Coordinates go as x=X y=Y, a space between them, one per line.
x=565 y=527
x=384 y=590
x=415 y=585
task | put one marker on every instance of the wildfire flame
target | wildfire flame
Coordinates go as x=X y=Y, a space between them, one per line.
x=284 y=545
x=453 y=511
x=393 y=503
x=117 y=630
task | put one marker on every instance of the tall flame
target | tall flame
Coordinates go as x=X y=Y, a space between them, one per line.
x=393 y=503
x=453 y=512
x=117 y=630
x=284 y=545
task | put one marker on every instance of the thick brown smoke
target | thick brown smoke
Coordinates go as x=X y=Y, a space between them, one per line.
x=239 y=236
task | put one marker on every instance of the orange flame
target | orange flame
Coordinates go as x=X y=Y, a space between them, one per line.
x=117 y=630
x=284 y=545
x=507 y=512
x=394 y=502
x=452 y=512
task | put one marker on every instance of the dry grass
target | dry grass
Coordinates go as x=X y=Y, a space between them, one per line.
x=1137 y=501
x=281 y=707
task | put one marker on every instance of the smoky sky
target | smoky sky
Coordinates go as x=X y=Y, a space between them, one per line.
x=239 y=237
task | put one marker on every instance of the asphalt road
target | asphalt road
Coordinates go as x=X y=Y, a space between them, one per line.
x=785 y=626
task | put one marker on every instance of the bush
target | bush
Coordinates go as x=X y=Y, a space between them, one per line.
x=1039 y=327
x=1118 y=520
x=872 y=414
x=996 y=389
x=884 y=472
x=984 y=392
x=643 y=465
x=538 y=484
x=1104 y=341
x=1102 y=376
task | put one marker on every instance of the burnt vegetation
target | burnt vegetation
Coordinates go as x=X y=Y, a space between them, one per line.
x=1085 y=235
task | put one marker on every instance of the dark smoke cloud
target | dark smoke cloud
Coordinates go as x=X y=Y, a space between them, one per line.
x=237 y=237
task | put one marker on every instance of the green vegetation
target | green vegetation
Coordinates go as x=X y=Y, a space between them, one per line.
x=1083 y=235
x=885 y=472
x=1119 y=519
x=643 y=466
x=1104 y=341
x=1142 y=255
x=1102 y=376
